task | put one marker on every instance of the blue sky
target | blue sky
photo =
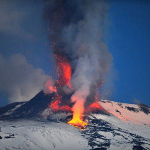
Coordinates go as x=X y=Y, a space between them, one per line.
x=23 y=30
x=129 y=43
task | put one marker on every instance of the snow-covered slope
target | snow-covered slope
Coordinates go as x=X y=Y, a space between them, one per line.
x=128 y=112
x=33 y=135
x=123 y=126
x=104 y=132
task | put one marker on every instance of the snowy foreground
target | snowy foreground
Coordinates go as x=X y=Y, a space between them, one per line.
x=35 y=135
x=125 y=127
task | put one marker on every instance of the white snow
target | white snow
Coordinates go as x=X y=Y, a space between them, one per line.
x=126 y=115
x=41 y=136
x=117 y=141
x=46 y=135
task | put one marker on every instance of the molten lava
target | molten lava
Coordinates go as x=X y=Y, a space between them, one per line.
x=78 y=110
x=52 y=89
x=49 y=86
x=94 y=107
x=63 y=71
x=55 y=105
x=64 y=77
x=77 y=122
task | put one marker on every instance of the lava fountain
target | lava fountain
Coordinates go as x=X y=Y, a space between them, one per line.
x=63 y=70
x=78 y=111
x=82 y=59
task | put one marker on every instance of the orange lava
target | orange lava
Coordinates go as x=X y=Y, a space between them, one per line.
x=65 y=108
x=66 y=69
x=64 y=77
x=52 y=89
x=77 y=122
x=49 y=86
x=95 y=105
x=55 y=105
x=78 y=110
x=63 y=71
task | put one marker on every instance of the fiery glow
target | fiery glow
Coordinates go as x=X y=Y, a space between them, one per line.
x=55 y=105
x=77 y=122
x=94 y=107
x=77 y=119
x=52 y=89
x=64 y=77
x=63 y=71
x=66 y=69
x=65 y=108
x=49 y=86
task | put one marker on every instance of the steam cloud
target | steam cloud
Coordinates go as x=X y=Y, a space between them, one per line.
x=76 y=33
x=18 y=79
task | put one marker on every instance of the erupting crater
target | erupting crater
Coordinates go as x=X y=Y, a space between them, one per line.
x=79 y=123
x=75 y=103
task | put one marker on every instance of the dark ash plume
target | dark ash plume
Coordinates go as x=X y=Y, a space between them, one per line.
x=76 y=33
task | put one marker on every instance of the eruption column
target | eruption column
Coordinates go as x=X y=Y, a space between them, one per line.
x=63 y=71
x=82 y=59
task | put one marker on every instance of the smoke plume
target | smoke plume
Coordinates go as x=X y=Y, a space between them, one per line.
x=18 y=79
x=77 y=34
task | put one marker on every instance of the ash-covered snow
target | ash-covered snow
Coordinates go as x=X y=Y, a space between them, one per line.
x=114 y=134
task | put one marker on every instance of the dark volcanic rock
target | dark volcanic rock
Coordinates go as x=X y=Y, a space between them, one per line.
x=144 y=108
x=29 y=109
x=138 y=148
x=9 y=107
x=132 y=109
x=99 y=149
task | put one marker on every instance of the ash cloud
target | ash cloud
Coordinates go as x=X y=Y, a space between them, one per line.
x=18 y=79
x=77 y=32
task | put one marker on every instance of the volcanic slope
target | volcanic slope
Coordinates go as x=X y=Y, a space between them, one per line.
x=126 y=126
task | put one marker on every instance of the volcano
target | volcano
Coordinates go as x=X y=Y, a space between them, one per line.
x=42 y=105
x=33 y=125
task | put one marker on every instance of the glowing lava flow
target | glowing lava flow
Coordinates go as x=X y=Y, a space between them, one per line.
x=94 y=106
x=63 y=71
x=77 y=120
x=64 y=77
x=55 y=105
x=67 y=73
x=79 y=123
